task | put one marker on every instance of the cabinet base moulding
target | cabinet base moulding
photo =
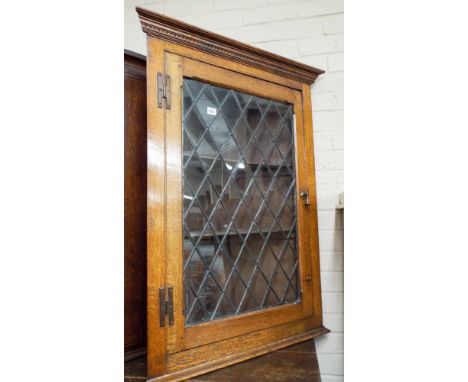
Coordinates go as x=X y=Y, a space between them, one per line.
x=194 y=371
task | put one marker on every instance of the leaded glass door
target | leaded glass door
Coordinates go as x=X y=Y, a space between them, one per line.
x=235 y=213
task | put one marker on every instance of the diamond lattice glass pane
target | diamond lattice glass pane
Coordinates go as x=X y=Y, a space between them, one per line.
x=239 y=228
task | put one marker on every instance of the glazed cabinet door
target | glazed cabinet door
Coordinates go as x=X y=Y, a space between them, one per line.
x=238 y=254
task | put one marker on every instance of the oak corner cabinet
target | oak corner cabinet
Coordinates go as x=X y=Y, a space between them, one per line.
x=232 y=258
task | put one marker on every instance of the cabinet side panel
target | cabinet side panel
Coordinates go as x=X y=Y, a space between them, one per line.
x=156 y=217
x=312 y=218
x=135 y=204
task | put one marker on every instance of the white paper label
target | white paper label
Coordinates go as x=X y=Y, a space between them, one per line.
x=210 y=111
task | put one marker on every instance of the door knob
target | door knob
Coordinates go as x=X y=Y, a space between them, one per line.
x=305 y=195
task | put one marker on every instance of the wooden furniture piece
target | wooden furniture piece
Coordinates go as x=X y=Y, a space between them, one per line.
x=232 y=245
x=296 y=363
x=135 y=204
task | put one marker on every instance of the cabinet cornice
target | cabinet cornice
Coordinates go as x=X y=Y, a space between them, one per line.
x=168 y=29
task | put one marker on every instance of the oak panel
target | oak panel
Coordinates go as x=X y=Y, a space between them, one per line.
x=185 y=365
x=156 y=214
x=174 y=276
x=312 y=223
x=238 y=81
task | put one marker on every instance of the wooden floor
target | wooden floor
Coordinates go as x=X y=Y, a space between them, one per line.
x=297 y=363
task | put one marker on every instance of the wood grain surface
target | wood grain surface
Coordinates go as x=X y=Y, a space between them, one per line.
x=297 y=363
x=135 y=205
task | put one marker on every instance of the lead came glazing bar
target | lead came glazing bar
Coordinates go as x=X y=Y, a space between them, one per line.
x=239 y=187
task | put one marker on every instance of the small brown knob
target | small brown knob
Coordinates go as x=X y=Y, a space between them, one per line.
x=305 y=195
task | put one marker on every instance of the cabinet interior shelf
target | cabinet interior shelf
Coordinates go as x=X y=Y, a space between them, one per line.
x=234 y=232
x=253 y=164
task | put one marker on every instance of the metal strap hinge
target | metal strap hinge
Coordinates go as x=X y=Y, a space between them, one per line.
x=166 y=307
x=164 y=90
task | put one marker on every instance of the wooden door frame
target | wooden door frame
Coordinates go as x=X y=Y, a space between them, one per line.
x=179 y=336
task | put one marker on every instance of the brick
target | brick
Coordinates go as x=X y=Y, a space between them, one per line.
x=130 y=16
x=323 y=177
x=336 y=62
x=247 y=34
x=319 y=7
x=329 y=82
x=321 y=45
x=331 y=240
x=328 y=141
x=283 y=48
x=320 y=62
x=339 y=41
x=294 y=29
x=237 y=4
x=331 y=343
x=331 y=261
x=133 y=3
x=330 y=220
x=188 y=7
x=276 y=31
x=222 y=20
x=337 y=141
x=269 y=13
x=134 y=38
x=333 y=24
x=334 y=322
x=327 y=101
x=328 y=121
x=327 y=201
x=330 y=187
x=332 y=281
x=157 y=7
x=332 y=378
x=329 y=160
x=331 y=363
x=322 y=141
x=149 y=2
x=332 y=302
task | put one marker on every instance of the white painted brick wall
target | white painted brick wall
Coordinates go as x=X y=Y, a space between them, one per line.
x=309 y=31
x=332 y=302
x=228 y=19
x=238 y=4
x=332 y=378
x=334 y=322
x=331 y=364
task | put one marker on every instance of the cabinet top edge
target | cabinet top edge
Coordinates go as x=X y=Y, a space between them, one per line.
x=169 y=29
x=132 y=54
